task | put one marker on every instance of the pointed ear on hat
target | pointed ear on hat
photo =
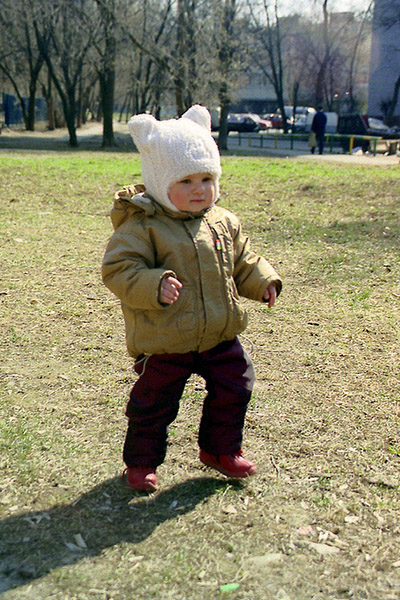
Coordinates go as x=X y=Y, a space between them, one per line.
x=141 y=128
x=200 y=115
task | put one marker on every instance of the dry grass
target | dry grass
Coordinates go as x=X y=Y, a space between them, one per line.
x=320 y=520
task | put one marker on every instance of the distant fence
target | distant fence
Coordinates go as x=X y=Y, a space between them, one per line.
x=291 y=141
x=12 y=111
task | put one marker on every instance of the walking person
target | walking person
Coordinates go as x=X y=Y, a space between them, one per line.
x=318 y=126
x=178 y=263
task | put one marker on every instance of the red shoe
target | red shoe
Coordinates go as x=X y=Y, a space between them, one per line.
x=231 y=465
x=143 y=479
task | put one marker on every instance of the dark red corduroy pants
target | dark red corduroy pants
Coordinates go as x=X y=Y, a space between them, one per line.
x=154 y=401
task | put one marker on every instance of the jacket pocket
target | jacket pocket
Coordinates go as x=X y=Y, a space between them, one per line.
x=239 y=312
x=187 y=314
x=168 y=329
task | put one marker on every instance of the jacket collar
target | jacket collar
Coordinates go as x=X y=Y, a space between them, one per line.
x=133 y=199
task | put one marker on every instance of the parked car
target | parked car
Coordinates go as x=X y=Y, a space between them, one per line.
x=379 y=125
x=242 y=122
x=357 y=124
x=262 y=123
x=300 y=123
x=273 y=121
x=301 y=111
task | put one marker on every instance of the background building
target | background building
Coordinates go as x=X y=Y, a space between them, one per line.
x=385 y=60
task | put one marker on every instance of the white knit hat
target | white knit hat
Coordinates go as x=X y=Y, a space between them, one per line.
x=173 y=149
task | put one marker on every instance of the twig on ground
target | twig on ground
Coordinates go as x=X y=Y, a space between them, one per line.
x=277 y=469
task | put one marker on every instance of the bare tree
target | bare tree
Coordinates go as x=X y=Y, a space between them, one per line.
x=320 y=83
x=335 y=53
x=147 y=56
x=22 y=61
x=224 y=23
x=268 y=52
x=152 y=54
x=105 y=44
x=296 y=58
x=354 y=55
x=185 y=71
x=64 y=45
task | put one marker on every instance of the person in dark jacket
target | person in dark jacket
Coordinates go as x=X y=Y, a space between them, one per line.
x=318 y=126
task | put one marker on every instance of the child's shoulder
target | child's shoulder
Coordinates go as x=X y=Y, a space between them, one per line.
x=219 y=213
x=131 y=207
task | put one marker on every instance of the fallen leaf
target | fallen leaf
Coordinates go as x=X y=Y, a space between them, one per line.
x=306 y=530
x=323 y=549
x=351 y=519
x=36 y=519
x=229 y=510
x=80 y=542
x=396 y=564
x=266 y=560
x=282 y=595
x=73 y=547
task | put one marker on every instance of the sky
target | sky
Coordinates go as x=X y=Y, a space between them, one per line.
x=333 y=5
x=357 y=5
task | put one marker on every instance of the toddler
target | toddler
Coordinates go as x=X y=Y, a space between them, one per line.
x=178 y=263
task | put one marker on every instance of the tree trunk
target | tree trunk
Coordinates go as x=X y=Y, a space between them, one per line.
x=106 y=71
x=18 y=94
x=67 y=95
x=295 y=98
x=123 y=107
x=70 y=118
x=225 y=58
x=107 y=80
x=320 y=83
x=224 y=103
x=79 y=105
x=30 y=122
x=47 y=93
x=179 y=79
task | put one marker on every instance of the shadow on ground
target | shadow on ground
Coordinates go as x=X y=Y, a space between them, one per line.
x=58 y=141
x=34 y=543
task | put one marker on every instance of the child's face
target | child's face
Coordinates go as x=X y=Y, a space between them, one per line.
x=194 y=193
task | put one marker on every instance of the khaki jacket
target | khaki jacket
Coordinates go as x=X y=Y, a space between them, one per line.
x=207 y=253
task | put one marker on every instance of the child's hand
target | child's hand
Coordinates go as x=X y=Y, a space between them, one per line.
x=169 y=291
x=270 y=295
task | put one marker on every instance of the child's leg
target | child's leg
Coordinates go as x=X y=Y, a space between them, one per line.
x=229 y=375
x=153 y=405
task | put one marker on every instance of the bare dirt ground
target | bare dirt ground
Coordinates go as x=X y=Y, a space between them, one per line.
x=320 y=521
x=89 y=137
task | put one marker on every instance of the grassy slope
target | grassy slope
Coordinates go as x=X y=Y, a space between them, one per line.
x=321 y=518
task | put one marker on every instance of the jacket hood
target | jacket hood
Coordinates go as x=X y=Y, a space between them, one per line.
x=133 y=199
x=128 y=201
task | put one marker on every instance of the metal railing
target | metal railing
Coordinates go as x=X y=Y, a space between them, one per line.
x=262 y=139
